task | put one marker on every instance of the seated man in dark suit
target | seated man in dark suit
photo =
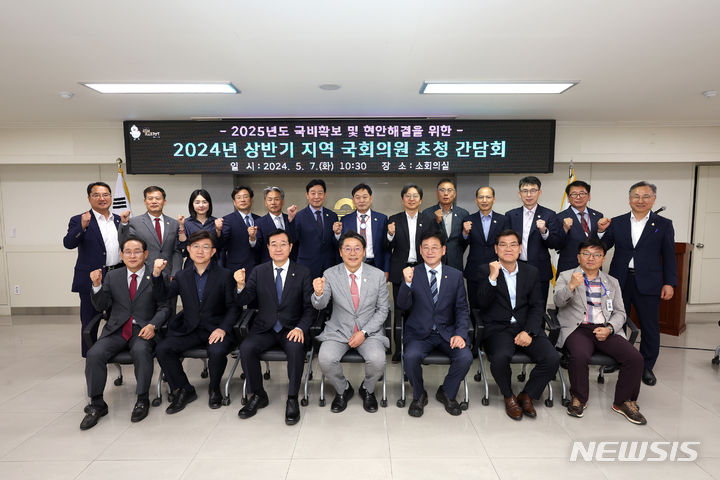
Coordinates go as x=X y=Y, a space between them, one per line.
x=134 y=317
x=438 y=319
x=282 y=289
x=592 y=315
x=575 y=224
x=509 y=296
x=209 y=313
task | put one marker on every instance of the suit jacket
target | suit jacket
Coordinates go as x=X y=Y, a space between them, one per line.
x=295 y=309
x=217 y=309
x=142 y=227
x=537 y=248
x=455 y=244
x=91 y=249
x=399 y=246
x=236 y=243
x=266 y=226
x=567 y=249
x=481 y=251
x=495 y=302
x=572 y=305
x=372 y=310
x=378 y=229
x=317 y=249
x=450 y=315
x=654 y=253
x=114 y=295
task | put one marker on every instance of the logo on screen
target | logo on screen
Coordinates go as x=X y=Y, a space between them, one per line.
x=135 y=132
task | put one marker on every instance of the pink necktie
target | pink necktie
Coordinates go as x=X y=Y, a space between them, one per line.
x=355 y=294
x=127 y=327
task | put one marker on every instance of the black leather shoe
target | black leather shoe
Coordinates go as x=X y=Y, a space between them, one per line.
x=292 y=411
x=648 y=377
x=87 y=408
x=395 y=358
x=451 y=406
x=340 y=402
x=256 y=402
x=182 y=398
x=215 y=400
x=140 y=410
x=93 y=415
x=417 y=407
x=369 y=401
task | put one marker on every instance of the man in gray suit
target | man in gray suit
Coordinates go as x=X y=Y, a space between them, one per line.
x=360 y=305
x=592 y=315
x=157 y=230
x=134 y=318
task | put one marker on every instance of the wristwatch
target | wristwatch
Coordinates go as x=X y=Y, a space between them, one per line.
x=365 y=333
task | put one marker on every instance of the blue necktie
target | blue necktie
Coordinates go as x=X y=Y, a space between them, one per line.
x=278 y=287
x=248 y=221
x=433 y=286
x=318 y=219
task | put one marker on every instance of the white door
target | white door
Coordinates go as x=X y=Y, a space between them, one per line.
x=4 y=297
x=706 y=238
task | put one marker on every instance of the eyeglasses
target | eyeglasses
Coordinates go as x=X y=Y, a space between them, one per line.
x=100 y=195
x=446 y=190
x=132 y=253
x=412 y=196
x=279 y=245
x=578 y=195
x=635 y=198
x=510 y=245
x=433 y=249
x=197 y=247
x=529 y=191
x=352 y=249
x=596 y=256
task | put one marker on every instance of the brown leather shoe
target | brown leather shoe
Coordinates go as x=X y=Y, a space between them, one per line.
x=527 y=406
x=512 y=408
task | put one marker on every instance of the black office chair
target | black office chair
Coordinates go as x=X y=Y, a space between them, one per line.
x=121 y=358
x=435 y=357
x=598 y=358
x=351 y=356
x=517 y=358
x=274 y=354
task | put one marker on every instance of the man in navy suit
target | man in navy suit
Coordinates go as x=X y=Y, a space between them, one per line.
x=209 y=313
x=317 y=231
x=282 y=290
x=435 y=295
x=644 y=264
x=509 y=297
x=479 y=231
x=538 y=230
x=371 y=225
x=95 y=234
x=576 y=224
x=275 y=219
x=449 y=218
x=239 y=232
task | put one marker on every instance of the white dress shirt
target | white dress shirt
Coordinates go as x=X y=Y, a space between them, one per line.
x=109 y=233
x=636 y=229
x=369 y=253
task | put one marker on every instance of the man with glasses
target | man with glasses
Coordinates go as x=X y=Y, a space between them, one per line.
x=538 y=230
x=449 y=218
x=282 y=290
x=592 y=315
x=135 y=316
x=371 y=225
x=438 y=320
x=209 y=313
x=275 y=219
x=509 y=296
x=360 y=304
x=644 y=264
x=95 y=234
x=576 y=224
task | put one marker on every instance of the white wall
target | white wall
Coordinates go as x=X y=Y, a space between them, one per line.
x=44 y=171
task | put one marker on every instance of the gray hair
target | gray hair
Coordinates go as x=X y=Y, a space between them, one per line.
x=643 y=184
x=274 y=189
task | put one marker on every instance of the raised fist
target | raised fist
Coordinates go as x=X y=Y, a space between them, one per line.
x=408 y=273
x=292 y=211
x=567 y=224
x=438 y=215
x=96 y=277
x=85 y=219
x=603 y=224
x=391 y=229
x=181 y=221
x=319 y=286
x=125 y=216
x=494 y=270
x=576 y=280
x=240 y=278
x=159 y=266
x=218 y=225
x=467 y=226
x=337 y=228
x=252 y=232
x=541 y=225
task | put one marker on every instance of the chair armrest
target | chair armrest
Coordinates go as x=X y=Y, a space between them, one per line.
x=471 y=333
x=633 y=331
x=553 y=327
x=242 y=326
x=87 y=337
x=317 y=326
x=400 y=316
x=387 y=326
x=477 y=320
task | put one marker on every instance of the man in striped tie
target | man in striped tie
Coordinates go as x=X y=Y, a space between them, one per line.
x=439 y=320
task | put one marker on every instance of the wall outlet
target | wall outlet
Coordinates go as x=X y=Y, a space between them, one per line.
x=17 y=289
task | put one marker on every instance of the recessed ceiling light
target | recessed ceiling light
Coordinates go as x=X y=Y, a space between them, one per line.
x=494 y=88
x=329 y=86
x=709 y=93
x=162 y=87
x=66 y=95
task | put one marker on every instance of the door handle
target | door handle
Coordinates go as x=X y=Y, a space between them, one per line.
x=699 y=245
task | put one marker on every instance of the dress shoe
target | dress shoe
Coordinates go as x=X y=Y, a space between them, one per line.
x=93 y=415
x=87 y=408
x=451 y=406
x=140 y=410
x=256 y=402
x=340 y=402
x=417 y=407
x=292 y=411
x=527 y=405
x=648 y=377
x=395 y=358
x=576 y=408
x=512 y=408
x=215 y=400
x=631 y=411
x=369 y=401
x=182 y=398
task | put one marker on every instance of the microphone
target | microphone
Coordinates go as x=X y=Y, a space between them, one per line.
x=661 y=209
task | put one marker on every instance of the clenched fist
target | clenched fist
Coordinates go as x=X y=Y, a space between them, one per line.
x=218 y=226
x=96 y=277
x=159 y=266
x=576 y=280
x=125 y=216
x=181 y=221
x=567 y=224
x=494 y=270
x=408 y=273
x=541 y=226
x=252 y=232
x=85 y=219
x=391 y=229
x=603 y=224
x=292 y=211
x=467 y=226
x=337 y=228
x=319 y=286
x=240 y=278
x=439 y=215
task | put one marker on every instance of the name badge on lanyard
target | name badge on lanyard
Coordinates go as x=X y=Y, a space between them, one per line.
x=610 y=305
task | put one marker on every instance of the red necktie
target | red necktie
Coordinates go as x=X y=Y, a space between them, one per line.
x=158 y=231
x=584 y=223
x=363 y=226
x=127 y=327
x=355 y=294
